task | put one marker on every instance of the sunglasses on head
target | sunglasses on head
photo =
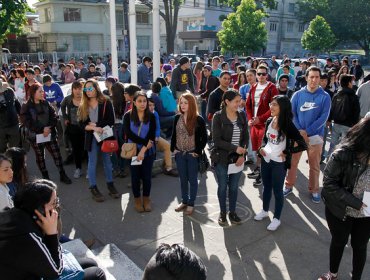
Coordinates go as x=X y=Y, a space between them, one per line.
x=88 y=89
x=261 y=74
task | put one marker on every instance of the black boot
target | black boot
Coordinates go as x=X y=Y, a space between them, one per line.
x=96 y=194
x=64 y=178
x=112 y=190
x=45 y=175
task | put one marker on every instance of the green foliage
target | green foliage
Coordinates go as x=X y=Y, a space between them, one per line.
x=243 y=31
x=318 y=36
x=12 y=17
x=234 y=4
x=350 y=20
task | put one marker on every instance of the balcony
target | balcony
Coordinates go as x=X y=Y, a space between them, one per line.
x=199 y=32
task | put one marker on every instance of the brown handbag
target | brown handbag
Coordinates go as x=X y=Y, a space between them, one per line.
x=129 y=150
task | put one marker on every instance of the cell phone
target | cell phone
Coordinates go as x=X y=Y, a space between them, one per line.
x=41 y=209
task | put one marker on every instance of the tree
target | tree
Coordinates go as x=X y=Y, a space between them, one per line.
x=243 y=31
x=319 y=36
x=12 y=17
x=170 y=16
x=350 y=20
x=234 y=4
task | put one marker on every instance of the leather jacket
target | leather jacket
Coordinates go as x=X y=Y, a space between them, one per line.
x=340 y=176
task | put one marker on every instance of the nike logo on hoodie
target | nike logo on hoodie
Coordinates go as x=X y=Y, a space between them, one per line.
x=308 y=106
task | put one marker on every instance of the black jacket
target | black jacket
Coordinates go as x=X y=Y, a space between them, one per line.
x=25 y=253
x=293 y=137
x=340 y=176
x=30 y=118
x=108 y=119
x=214 y=101
x=11 y=109
x=200 y=135
x=222 y=133
x=353 y=107
x=211 y=84
x=135 y=138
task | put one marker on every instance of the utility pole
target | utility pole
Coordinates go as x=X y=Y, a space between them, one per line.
x=156 y=40
x=133 y=42
x=113 y=37
x=126 y=32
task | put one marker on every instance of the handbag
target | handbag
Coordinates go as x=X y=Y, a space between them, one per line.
x=203 y=163
x=129 y=150
x=109 y=146
x=72 y=270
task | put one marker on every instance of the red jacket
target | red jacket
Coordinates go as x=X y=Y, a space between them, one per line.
x=263 y=111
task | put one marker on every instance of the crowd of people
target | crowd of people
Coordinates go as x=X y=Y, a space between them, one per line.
x=254 y=113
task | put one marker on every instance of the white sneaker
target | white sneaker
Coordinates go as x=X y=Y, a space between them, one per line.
x=77 y=173
x=274 y=224
x=261 y=215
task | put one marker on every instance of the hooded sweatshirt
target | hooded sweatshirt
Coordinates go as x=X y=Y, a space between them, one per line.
x=311 y=110
x=53 y=93
x=25 y=253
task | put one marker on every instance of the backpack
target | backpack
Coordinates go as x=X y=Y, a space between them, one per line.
x=340 y=107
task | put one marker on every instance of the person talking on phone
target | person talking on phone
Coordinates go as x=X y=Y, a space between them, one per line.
x=230 y=135
x=29 y=247
x=346 y=184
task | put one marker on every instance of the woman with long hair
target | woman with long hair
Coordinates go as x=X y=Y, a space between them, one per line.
x=18 y=157
x=188 y=140
x=119 y=105
x=343 y=70
x=6 y=177
x=230 y=136
x=40 y=119
x=94 y=113
x=19 y=85
x=75 y=134
x=242 y=80
x=254 y=64
x=139 y=127
x=276 y=152
x=198 y=74
x=346 y=180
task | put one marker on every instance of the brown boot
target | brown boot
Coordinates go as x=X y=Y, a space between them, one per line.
x=139 y=205
x=147 y=204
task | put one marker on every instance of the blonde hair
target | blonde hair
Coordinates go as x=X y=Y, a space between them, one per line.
x=83 y=109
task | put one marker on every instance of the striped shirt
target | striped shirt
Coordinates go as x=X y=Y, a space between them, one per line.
x=235 y=140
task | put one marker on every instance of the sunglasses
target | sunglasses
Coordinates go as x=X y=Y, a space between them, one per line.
x=88 y=89
x=261 y=74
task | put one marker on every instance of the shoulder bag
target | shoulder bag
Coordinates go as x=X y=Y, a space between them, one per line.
x=109 y=146
x=129 y=150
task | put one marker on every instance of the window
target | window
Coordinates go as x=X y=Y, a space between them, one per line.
x=291 y=8
x=143 y=42
x=189 y=45
x=142 y=18
x=196 y=3
x=80 y=43
x=301 y=27
x=72 y=14
x=290 y=26
x=47 y=15
x=119 y=19
x=273 y=26
x=212 y=3
x=276 y=7
x=185 y=25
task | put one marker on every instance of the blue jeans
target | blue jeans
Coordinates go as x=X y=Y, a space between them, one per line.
x=142 y=172
x=93 y=160
x=187 y=165
x=273 y=176
x=225 y=180
x=338 y=131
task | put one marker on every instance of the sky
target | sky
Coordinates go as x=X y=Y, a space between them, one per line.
x=30 y=2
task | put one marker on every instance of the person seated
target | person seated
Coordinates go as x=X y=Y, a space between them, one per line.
x=168 y=101
x=92 y=73
x=29 y=247
x=175 y=262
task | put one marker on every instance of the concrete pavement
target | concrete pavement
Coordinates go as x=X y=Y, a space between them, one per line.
x=299 y=249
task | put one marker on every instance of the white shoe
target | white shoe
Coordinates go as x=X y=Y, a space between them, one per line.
x=261 y=215
x=274 y=224
x=77 y=173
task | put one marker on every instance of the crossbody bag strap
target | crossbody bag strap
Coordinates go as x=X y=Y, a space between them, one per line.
x=138 y=133
x=105 y=105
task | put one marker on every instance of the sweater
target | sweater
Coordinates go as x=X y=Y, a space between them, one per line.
x=311 y=110
x=143 y=77
x=53 y=93
x=181 y=80
x=168 y=101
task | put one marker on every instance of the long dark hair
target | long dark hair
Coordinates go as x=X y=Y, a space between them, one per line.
x=17 y=156
x=134 y=115
x=229 y=95
x=118 y=99
x=358 y=140
x=285 y=115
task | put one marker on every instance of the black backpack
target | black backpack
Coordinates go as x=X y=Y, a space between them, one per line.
x=340 y=107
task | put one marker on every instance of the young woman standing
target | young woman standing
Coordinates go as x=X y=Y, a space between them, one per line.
x=277 y=148
x=40 y=118
x=6 y=176
x=96 y=112
x=188 y=140
x=139 y=128
x=230 y=135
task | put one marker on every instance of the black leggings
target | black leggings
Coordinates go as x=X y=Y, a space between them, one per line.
x=91 y=269
x=359 y=229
